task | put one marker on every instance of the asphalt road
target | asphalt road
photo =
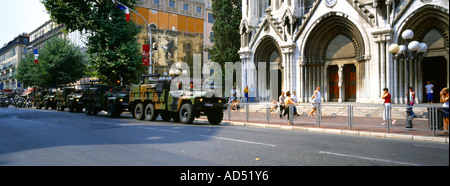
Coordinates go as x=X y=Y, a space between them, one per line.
x=48 y=137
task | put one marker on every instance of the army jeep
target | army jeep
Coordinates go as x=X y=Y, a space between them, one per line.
x=153 y=96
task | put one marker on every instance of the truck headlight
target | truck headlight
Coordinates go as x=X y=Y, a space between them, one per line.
x=120 y=100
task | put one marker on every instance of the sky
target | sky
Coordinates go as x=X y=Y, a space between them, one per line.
x=19 y=16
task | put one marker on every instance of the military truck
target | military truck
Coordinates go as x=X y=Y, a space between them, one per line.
x=61 y=98
x=153 y=96
x=49 y=100
x=94 y=98
x=75 y=99
x=99 y=97
x=39 y=98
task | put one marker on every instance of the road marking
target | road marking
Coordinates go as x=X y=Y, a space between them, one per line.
x=236 y=140
x=367 y=158
x=164 y=130
x=445 y=148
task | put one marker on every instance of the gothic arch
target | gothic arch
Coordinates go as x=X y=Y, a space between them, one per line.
x=326 y=29
x=424 y=19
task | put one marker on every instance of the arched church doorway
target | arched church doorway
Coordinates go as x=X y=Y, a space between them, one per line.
x=434 y=69
x=269 y=77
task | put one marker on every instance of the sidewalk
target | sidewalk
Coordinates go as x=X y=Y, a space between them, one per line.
x=366 y=120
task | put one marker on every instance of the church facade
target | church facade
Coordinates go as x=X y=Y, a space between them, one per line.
x=342 y=46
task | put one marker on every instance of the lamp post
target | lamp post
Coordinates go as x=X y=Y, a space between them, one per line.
x=408 y=51
x=149 y=31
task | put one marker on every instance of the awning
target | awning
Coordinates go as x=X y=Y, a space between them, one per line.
x=28 y=91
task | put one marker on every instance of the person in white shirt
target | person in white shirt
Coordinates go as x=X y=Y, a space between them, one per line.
x=318 y=99
x=429 y=88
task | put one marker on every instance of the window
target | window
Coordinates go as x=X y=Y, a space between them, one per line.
x=210 y=18
x=172 y=4
x=156 y=2
x=199 y=10
x=185 y=6
x=211 y=37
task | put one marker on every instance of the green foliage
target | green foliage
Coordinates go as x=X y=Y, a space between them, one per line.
x=60 y=62
x=227 y=39
x=112 y=41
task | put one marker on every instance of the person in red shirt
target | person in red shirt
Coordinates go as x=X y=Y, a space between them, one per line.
x=387 y=105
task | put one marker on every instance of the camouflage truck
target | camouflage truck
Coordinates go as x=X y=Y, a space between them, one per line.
x=75 y=99
x=39 y=98
x=94 y=98
x=61 y=98
x=147 y=100
x=100 y=97
x=118 y=101
x=50 y=100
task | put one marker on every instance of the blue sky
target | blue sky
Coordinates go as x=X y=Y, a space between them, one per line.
x=18 y=16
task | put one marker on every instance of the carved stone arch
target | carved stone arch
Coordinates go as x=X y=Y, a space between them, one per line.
x=326 y=29
x=424 y=19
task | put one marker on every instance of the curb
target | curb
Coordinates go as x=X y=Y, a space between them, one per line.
x=345 y=132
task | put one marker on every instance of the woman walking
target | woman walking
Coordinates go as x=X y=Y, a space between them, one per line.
x=317 y=99
x=444 y=99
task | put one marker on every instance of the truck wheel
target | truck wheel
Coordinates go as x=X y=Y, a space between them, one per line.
x=111 y=110
x=187 y=113
x=139 y=111
x=87 y=109
x=93 y=109
x=215 y=116
x=71 y=107
x=150 y=113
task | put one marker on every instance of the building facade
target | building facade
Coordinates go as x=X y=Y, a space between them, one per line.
x=10 y=55
x=342 y=46
x=180 y=29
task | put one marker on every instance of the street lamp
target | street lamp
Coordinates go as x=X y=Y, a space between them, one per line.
x=149 y=31
x=409 y=50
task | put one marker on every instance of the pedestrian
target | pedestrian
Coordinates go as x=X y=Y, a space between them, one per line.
x=387 y=105
x=429 y=88
x=412 y=98
x=274 y=105
x=281 y=101
x=444 y=99
x=315 y=99
x=295 y=100
x=246 y=93
x=288 y=101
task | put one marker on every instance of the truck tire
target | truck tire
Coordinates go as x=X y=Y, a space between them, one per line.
x=87 y=109
x=150 y=112
x=215 y=116
x=111 y=110
x=187 y=113
x=139 y=111
x=93 y=109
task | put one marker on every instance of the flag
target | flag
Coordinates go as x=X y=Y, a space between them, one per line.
x=36 y=56
x=146 y=55
x=122 y=7
x=127 y=14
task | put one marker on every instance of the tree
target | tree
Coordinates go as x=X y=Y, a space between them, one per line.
x=227 y=39
x=60 y=62
x=112 y=41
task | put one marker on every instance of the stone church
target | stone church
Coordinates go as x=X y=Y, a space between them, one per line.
x=342 y=46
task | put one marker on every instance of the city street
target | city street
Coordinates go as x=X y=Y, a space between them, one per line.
x=48 y=137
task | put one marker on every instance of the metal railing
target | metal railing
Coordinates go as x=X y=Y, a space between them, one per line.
x=340 y=116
